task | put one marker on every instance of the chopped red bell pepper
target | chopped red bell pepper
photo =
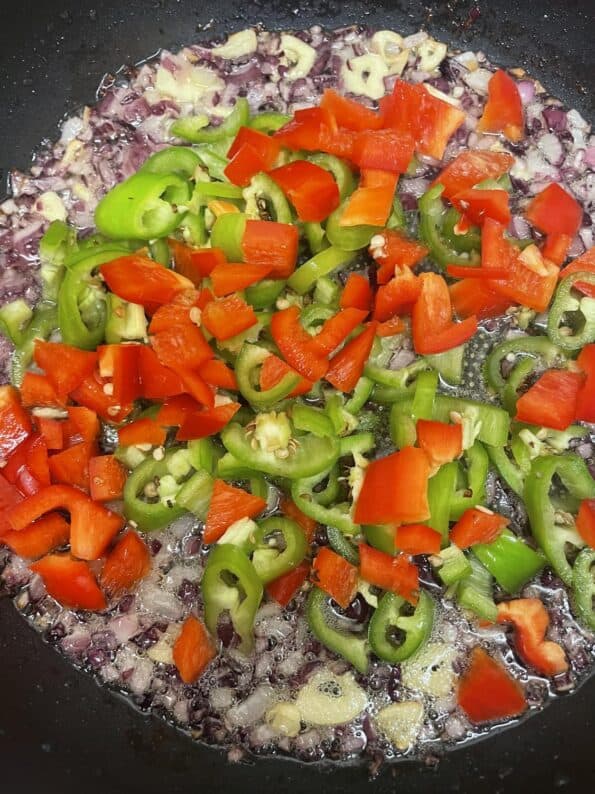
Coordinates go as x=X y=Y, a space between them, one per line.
x=230 y=278
x=119 y=363
x=229 y=504
x=383 y=150
x=193 y=650
x=196 y=387
x=585 y=288
x=92 y=394
x=418 y=539
x=395 y=489
x=554 y=211
x=157 y=381
x=396 y=574
x=142 y=431
x=312 y=129
x=585 y=401
x=169 y=314
x=51 y=430
x=584 y=264
x=471 y=167
x=273 y=244
x=274 y=369
x=336 y=329
x=357 y=293
x=107 y=478
x=556 y=248
x=371 y=203
x=585 y=522
x=265 y=145
x=217 y=373
x=38 y=390
x=350 y=114
x=311 y=189
x=531 y=620
x=245 y=163
x=182 y=346
x=295 y=344
x=39 y=538
x=433 y=328
x=127 y=563
x=472 y=296
x=398 y=295
x=175 y=410
x=195 y=263
x=66 y=366
x=71 y=466
x=551 y=401
x=333 y=574
x=139 y=279
x=391 y=250
x=283 y=589
x=27 y=467
x=477 y=526
x=503 y=111
x=487 y=691
x=289 y=508
x=440 y=441
x=9 y=497
x=390 y=327
x=477 y=205
x=207 y=422
x=70 y=582
x=228 y=317
x=346 y=367
x=466 y=272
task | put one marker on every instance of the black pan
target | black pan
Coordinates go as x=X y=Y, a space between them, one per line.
x=59 y=732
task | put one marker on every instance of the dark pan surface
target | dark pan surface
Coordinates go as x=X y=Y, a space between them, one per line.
x=59 y=731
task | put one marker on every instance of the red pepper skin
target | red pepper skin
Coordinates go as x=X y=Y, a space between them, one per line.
x=107 y=478
x=91 y=394
x=70 y=582
x=127 y=563
x=27 y=468
x=71 y=466
x=347 y=366
x=195 y=263
x=504 y=110
x=228 y=317
x=283 y=589
x=357 y=293
x=333 y=574
x=471 y=167
x=350 y=114
x=82 y=424
x=433 y=328
x=487 y=692
x=418 y=539
x=477 y=526
x=38 y=390
x=585 y=402
x=181 y=346
x=207 y=422
x=229 y=504
x=440 y=441
x=390 y=327
x=266 y=146
x=217 y=373
x=396 y=251
x=472 y=296
x=585 y=522
x=175 y=410
x=66 y=366
x=230 y=278
x=554 y=211
x=531 y=621
x=51 y=432
x=142 y=431
x=552 y=400
x=371 y=203
x=15 y=425
x=39 y=538
x=336 y=329
x=9 y=497
x=396 y=574
x=477 y=205
x=311 y=189
x=556 y=247
x=398 y=295
x=157 y=381
x=295 y=344
x=289 y=508
x=119 y=363
x=383 y=150
x=193 y=650
x=274 y=369
x=244 y=164
x=272 y=244
x=139 y=279
x=585 y=263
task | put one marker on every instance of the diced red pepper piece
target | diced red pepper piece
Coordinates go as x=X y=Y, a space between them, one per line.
x=311 y=189
x=182 y=346
x=555 y=211
x=289 y=508
x=126 y=564
x=228 y=504
x=312 y=129
x=142 y=431
x=196 y=387
x=27 y=467
x=157 y=381
x=488 y=692
x=274 y=369
x=107 y=478
x=119 y=363
x=585 y=521
x=230 y=278
x=350 y=114
x=333 y=574
x=207 y=422
x=371 y=203
x=504 y=110
x=391 y=250
x=584 y=264
x=466 y=272
x=244 y=164
x=217 y=373
x=193 y=650
x=139 y=279
x=477 y=205
x=9 y=497
x=70 y=582
x=295 y=344
x=472 y=296
x=398 y=295
x=195 y=263
x=477 y=526
x=585 y=288
x=265 y=145
x=440 y=441
x=175 y=410
x=272 y=244
x=346 y=367
x=551 y=401
x=383 y=150
x=418 y=539
x=556 y=248
x=585 y=401
x=82 y=424
x=395 y=489
x=531 y=621
x=39 y=538
x=471 y=167
x=283 y=589
x=433 y=328
x=38 y=390
x=357 y=293
x=336 y=329
x=396 y=574
x=71 y=466
x=390 y=327
x=228 y=317
x=91 y=394
x=66 y=366
x=51 y=430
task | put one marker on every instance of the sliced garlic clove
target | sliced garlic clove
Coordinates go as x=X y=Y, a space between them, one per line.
x=401 y=722
x=328 y=699
x=244 y=42
x=431 y=54
x=364 y=75
x=300 y=54
x=430 y=671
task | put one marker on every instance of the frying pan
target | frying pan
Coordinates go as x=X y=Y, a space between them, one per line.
x=59 y=731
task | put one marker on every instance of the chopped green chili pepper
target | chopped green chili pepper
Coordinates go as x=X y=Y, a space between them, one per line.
x=360 y=395
x=343 y=420
x=125 y=321
x=193 y=128
x=205 y=191
x=321 y=264
x=327 y=291
x=507 y=469
x=227 y=233
x=551 y=528
x=231 y=585
x=381 y=537
x=264 y=294
x=356 y=444
x=339 y=169
x=402 y=426
x=473 y=471
x=339 y=544
x=426 y=387
x=449 y=364
x=214 y=160
x=441 y=490
x=475 y=591
x=571 y=320
x=396 y=219
x=42 y=324
x=202 y=454
x=279 y=546
x=265 y=200
x=311 y=420
x=348 y=238
x=144 y=206
x=180 y=160
x=394 y=633
x=195 y=494
x=308 y=500
x=510 y=560
x=583 y=587
x=159 y=251
x=453 y=565
x=269 y=121
x=248 y=363
x=314 y=315
x=315 y=236
x=431 y=231
x=56 y=245
x=14 y=319
x=333 y=631
x=230 y=468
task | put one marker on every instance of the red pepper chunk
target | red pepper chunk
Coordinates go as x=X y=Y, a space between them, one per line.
x=531 y=620
x=477 y=526
x=433 y=328
x=207 y=422
x=395 y=489
x=51 y=432
x=440 y=441
x=142 y=431
x=472 y=296
x=283 y=589
x=193 y=650
x=272 y=244
x=227 y=317
x=234 y=278
x=584 y=264
x=70 y=582
x=311 y=189
x=44 y=535
x=554 y=211
x=333 y=574
x=398 y=295
x=390 y=327
x=38 y=390
x=82 y=424
x=585 y=522
x=27 y=467
x=119 y=363
x=371 y=203
x=418 y=539
x=228 y=505
x=107 y=478
x=289 y=508
x=585 y=402
x=336 y=329
x=350 y=114
x=477 y=205
x=217 y=373
x=471 y=167
x=273 y=370
x=195 y=263
x=66 y=366
x=347 y=366
x=266 y=146
x=396 y=574
x=295 y=344
x=556 y=247
x=244 y=164
x=357 y=293
x=156 y=381
x=383 y=150
x=182 y=346
x=392 y=250
x=139 y=279
x=504 y=110
x=92 y=395
x=127 y=563
x=71 y=466
x=552 y=400
x=487 y=692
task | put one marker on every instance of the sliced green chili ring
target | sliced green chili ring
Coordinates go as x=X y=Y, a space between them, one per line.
x=473 y=470
x=14 y=319
x=571 y=320
x=381 y=537
x=449 y=364
x=144 y=206
x=306 y=276
x=250 y=359
x=402 y=426
x=441 y=489
x=348 y=238
x=396 y=219
x=264 y=294
x=202 y=454
x=125 y=322
x=230 y=468
x=583 y=587
x=227 y=233
x=551 y=531
x=426 y=387
x=305 y=497
x=360 y=395
x=357 y=444
x=431 y=222
x=193 y=129
x=205 y=191
x=231 y=585
x=159 y=251
x=42 y=324
x=329 y=493
x=265 y=200
x=332 y=631
x=150 y=512
x=195 y=494
x=311 y=420
x=507 y=469
x=475 y=592
x=314 y=315
x=510 y=560
x=465 y=243
x=340 y=545
x=269 y=121
x=214 y=161
x=394 y=635
x=339 y=169
x=180 y=160
x=399 y=379
x=279 y=546
x=315 y=236
x=58 y=241
x=327 y=292
x=194 y=228
x=453 y=565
